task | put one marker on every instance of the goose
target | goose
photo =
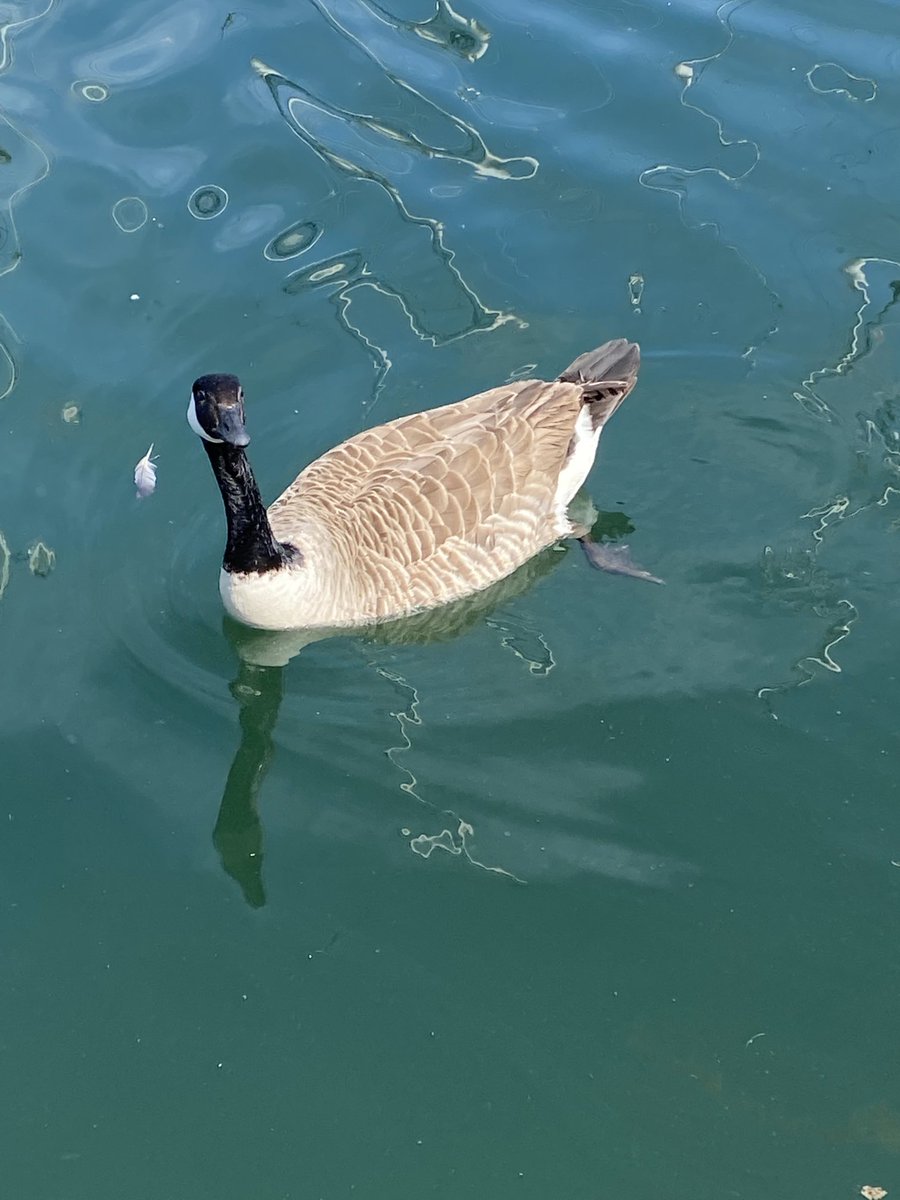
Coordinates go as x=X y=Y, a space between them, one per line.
x=418 y=512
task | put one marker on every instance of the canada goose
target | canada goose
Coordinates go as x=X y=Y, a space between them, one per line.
x=415 y=513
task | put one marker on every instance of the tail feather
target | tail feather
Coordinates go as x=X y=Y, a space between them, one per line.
x=607 y=375
x=616 y=360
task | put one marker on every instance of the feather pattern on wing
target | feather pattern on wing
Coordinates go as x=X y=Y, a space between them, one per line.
x=439 y=504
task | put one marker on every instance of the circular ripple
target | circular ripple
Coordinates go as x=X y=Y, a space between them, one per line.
x=207 y=202
x=95 y=92
x=130 y=214
x=293 y=240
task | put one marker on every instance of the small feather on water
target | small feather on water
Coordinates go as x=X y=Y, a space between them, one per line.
x=145 y=476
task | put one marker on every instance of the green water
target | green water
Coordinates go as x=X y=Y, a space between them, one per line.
x=598 y=897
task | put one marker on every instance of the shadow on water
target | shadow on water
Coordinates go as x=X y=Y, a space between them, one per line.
x=258 y=689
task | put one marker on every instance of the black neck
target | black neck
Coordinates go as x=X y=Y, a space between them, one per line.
x=251 y=544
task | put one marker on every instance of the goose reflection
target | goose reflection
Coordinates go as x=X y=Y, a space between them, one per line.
x=258 y=688
x=238 y=833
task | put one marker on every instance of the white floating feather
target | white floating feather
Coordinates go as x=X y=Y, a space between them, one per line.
x=145 y=476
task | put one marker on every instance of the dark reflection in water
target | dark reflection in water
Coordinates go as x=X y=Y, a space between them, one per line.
x=259 y=689
x=238 y=834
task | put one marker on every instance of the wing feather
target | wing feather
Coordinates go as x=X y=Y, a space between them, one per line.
x=445 y=501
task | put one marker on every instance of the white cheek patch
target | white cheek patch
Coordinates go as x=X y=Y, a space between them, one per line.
x=195 y=424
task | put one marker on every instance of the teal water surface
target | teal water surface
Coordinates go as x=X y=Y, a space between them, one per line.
x=596 y=897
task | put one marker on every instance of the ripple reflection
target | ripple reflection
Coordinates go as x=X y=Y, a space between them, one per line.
x=294 y=240
x=96 y=93
x=130 y=214
x=207 y=202
x=447 y=28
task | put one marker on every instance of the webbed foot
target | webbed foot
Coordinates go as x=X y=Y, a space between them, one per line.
x=616 y=559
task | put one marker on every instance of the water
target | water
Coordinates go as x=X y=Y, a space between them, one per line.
x=595 y=898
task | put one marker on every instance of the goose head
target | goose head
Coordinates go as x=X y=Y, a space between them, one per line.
x=216 y=414
x=216 y=410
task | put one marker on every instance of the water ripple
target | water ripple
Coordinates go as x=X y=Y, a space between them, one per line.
x=805 y=668
x=295 y=240
x=207 y=202
x=351 y=269
x=675 y=180
x=408 y=719
x=446 y=28
x=96 y=93
x=5 y=557
x=472 y=150
x=6 y=55
x=829 y=78
x=30 y=165
x=130 y=214
x=689 y=72
x=167 y=37
x=247 y=227
x=863 y=334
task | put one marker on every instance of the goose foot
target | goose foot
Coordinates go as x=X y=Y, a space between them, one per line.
x=614 y=558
